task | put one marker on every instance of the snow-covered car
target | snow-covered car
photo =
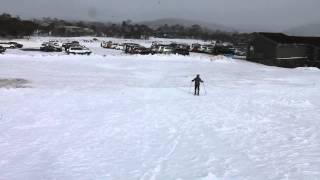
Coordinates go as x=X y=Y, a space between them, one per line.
x=57 y=46
x=79 y=50
x=2 y=49
x=11 y=45
x=56 y=43
x=120 y=47
x=113 y=46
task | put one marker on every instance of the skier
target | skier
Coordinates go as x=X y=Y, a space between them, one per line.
x=197 y=82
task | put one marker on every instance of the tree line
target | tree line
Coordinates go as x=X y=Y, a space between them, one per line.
x=14 y=26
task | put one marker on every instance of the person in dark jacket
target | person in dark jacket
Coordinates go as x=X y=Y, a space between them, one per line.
x=197 y=82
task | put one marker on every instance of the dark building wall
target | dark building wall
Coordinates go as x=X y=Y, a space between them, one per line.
x=262 y=50
x=278 y=49
x=315 y=62
x=289 y=51
x=316 y=54
x=290 y=55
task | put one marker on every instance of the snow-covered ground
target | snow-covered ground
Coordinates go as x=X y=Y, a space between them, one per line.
x=118 y=117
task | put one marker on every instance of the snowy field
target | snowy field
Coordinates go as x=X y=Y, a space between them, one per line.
x=112 y=116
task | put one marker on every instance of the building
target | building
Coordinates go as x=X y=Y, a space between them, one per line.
x=277 y=49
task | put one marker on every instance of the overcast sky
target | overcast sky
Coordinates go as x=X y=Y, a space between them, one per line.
x=276 y=14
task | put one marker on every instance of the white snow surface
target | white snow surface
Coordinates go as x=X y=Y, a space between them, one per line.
x=118 y=117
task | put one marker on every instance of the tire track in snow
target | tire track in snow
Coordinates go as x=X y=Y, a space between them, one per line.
x=153 y=173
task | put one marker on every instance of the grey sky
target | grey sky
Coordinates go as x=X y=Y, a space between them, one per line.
x=276 y=14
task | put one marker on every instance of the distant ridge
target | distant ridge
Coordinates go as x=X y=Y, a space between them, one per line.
x=173 y=21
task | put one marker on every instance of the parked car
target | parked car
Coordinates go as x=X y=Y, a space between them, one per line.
x=11 y=45
x=17 y=45
x=166 y=50
x=79 y=50
x=132 y=48
x=141 y=50
x=195 y=47
x=106 y=44
x=128 y=47
x=2 y=49
x=50 y=47
x=120 y=47
x=240 y=52
x=155 y=49
x=67 y=45
x=182 y=49
x=224 y=50
x=162 y=49
x=209 y=49
x=113 y=46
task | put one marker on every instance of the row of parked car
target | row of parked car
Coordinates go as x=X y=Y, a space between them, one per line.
x=156 y=48
x=176 y=48
x=217 y=49
x=73 y=47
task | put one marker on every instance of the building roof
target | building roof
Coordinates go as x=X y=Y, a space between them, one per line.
x=285 y=39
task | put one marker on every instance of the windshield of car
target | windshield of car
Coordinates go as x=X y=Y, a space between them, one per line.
x=76 y=48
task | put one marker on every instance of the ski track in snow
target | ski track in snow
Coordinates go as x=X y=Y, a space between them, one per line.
x=113 y=116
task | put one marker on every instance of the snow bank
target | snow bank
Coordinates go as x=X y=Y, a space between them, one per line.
x=308 y=68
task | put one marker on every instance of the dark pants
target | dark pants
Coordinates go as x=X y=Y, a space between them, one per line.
x=197 y=89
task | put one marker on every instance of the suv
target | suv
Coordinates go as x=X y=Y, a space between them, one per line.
x=78 y=50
